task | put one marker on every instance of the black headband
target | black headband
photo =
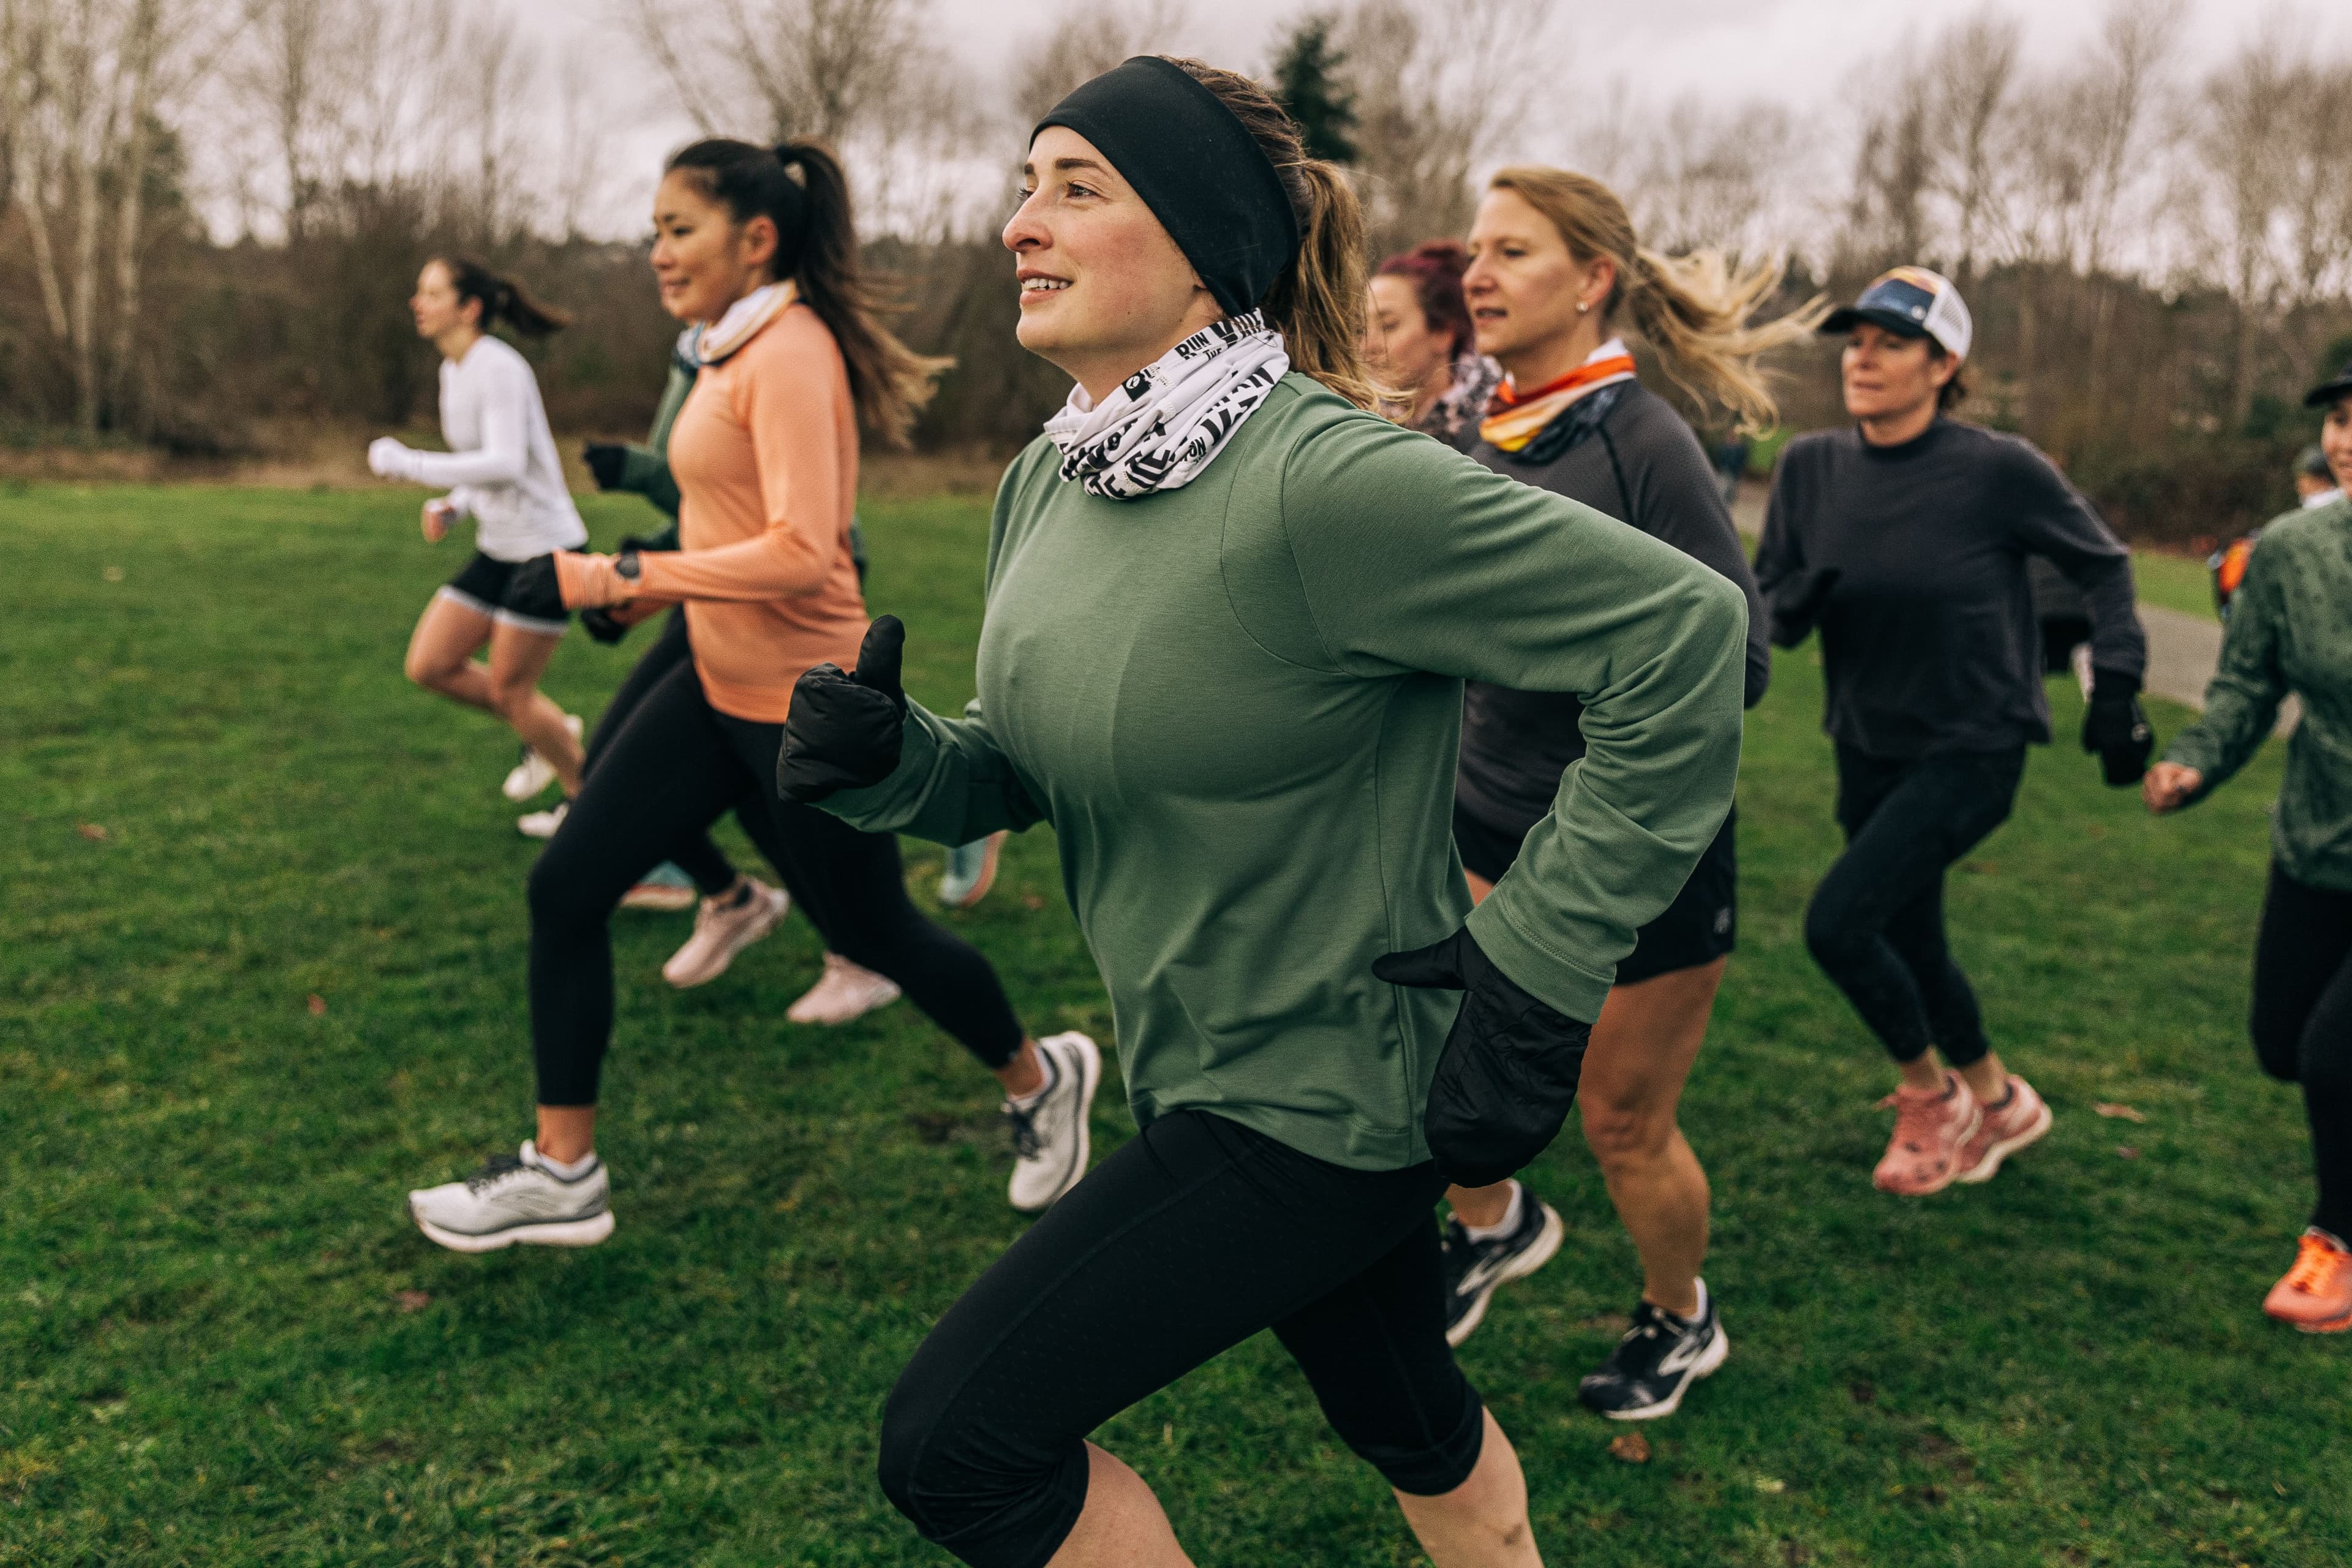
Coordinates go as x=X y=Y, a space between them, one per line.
x=1198 y=169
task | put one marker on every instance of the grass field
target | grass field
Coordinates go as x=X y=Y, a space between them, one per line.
x=261 y=969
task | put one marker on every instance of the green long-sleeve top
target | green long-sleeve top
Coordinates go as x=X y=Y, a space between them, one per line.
x=645 y=469
x=1239 y=704
x=2290 y=631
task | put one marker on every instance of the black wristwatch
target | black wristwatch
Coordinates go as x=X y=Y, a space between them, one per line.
x=626 y=565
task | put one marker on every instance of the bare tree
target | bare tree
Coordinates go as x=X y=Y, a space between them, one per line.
x=1085 y=40
x=1975 y=69
x=1887 y=216
x=819 y=68
x=1714 y=178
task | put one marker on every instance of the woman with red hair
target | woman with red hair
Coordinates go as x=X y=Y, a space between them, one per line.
x=1418 y=337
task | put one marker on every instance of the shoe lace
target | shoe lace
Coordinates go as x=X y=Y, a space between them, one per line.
x=1917 y=1121
x=495 y=1169
x=1024 y=1125
x=2315 y=1265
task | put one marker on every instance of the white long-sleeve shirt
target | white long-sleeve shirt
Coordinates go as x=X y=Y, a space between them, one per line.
x=502 y=466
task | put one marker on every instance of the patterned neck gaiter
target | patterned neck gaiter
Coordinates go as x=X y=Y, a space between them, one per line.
x=1168 y=421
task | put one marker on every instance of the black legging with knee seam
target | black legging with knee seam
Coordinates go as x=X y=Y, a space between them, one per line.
x=2302 y=1024
x=697 y=855
x=1876 y=922
x=674 y=767
x=1196 y=1235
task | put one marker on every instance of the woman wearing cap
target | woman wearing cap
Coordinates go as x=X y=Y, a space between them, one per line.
x=1557 y=268
x=501 y=470
x=2289 y=630
x=756 y=246
x=1229 y=614
x=1417 y=337
x=1905 y=538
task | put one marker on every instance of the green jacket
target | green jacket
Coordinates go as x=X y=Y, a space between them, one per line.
x=646 y=470
x=1239 y=704
x=2289 y=630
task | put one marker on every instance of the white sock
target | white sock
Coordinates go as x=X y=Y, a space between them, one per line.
x=1504 y=1226
x=569 y=1170
x=1053 y=1076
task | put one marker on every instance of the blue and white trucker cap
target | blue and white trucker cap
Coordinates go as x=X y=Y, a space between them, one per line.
x=1914 y=304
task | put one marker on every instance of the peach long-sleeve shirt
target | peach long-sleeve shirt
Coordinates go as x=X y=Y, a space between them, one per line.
x=765 y=456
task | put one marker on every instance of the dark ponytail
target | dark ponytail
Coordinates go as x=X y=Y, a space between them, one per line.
x=816 y=247
x=502 y=298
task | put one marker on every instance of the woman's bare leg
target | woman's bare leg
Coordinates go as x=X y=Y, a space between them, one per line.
x=441 y=652
x=1483 y=1522
x=1122 y=1525
x=517 y=659
x=566 y=1132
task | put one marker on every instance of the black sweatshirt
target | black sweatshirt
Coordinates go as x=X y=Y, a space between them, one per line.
x=1641 y=465
x=1929 y=641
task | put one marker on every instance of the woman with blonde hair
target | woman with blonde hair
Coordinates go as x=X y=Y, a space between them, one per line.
x=755 y=245
x=1557 y=272
x=1230 y=610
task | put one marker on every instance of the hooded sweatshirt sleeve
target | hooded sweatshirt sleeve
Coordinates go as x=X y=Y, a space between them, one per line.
x=1413 y=558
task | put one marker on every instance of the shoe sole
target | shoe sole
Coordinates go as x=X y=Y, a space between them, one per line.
x=552 y=1232
x=1714 y=1356
x=1089 y=1079
x=744 y=937
x=1986 y=1168
x=985 y=881
x=1951 y=1172
x=661 y=900
x=1538 y=1254
x=523 y=771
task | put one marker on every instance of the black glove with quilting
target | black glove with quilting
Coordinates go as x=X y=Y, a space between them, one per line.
x=606 y=462
x=2115 y=727
x=601 y=626
x=1506 y=1080
x=847 y=728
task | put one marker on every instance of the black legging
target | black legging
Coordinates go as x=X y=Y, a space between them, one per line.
x=1194 y=1236
x=2302 y=1024
x=674 y=766
x=698 y=855
x=1876 y=922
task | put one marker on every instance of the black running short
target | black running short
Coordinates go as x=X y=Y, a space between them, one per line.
x=1700 y=926
x=481 y=585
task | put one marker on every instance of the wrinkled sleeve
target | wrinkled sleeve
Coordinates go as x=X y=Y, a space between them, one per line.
x=785 y=399
x=504 y=454
x=1781 y=578
x=2241 y=703
x=1417 y=559
x=2052 y=521
x=1679 y=502
x=954 y=783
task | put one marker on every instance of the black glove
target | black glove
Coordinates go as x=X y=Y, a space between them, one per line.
x=1798 y=603
x=535 y=591
x=602 y=626
x=2115 y=727
x=1506 y=1080
x=844 y=731
x=606 y=462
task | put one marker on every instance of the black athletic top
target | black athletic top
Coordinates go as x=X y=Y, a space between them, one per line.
x=1633 y=458
x=1929 y=641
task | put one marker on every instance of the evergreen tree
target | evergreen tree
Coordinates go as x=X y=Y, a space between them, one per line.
x=1307 y=83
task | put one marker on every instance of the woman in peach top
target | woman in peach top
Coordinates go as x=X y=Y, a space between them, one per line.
x=756 y=247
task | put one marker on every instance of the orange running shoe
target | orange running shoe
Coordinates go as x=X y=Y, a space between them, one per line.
x=1930 y=1130
x=2005 y=1129
x=2316 y=1294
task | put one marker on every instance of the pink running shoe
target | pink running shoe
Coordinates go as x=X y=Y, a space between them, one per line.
x=2316 y=1296
x=846 y=991
x=2004 y=1131
x=1930 y=1130
x=723 y=930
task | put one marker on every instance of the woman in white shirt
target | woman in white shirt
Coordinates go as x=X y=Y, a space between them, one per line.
x=502 y=471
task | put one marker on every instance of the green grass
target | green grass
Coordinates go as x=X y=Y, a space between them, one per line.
x=220 y=1342
x=2176 y=582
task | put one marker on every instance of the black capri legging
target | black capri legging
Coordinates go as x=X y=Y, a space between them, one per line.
x=1194 y=1236
x=675 y=765
x=697 y=854
x=2302 y=1026
x=1876 y=922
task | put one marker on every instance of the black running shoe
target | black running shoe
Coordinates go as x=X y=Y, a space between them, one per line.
x=1472 y=1268
x=1659 y=1358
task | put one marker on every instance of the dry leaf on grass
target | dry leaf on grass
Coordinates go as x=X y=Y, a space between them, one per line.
x=2128 y=1152
x=2117 y=1112
x=1632 y=1447
x=411 y=1301
x=317 y=1006
x=91 y=831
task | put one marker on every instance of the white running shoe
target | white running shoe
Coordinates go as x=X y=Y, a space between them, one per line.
x=723 y=929
x=846 y=991
x=533 y=773
x=543 y=824
x=1049 y=1138
x=516 y=1198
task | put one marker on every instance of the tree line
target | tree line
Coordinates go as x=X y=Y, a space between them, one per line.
x=211 y=210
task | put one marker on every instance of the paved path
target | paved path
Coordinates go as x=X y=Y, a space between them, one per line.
x=2182 y=650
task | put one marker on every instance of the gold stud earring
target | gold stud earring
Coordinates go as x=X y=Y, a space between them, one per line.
x=1582 y=307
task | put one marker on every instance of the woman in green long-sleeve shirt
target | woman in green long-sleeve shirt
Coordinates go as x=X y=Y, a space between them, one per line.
x=2289 y=630
x=1229 y=616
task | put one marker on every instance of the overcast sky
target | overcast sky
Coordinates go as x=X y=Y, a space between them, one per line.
x=1800 y=52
